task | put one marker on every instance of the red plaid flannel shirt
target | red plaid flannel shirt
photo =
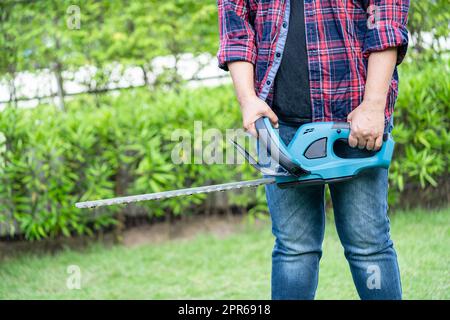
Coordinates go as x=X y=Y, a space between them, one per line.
x=340 y=35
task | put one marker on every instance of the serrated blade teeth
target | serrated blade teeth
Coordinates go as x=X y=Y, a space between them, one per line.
x=175 y=193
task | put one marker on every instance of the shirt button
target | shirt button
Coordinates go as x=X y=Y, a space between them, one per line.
x=278 y=55
x=284 y=24
x=268 y=82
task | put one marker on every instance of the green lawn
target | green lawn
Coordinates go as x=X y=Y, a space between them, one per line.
x=234 y=267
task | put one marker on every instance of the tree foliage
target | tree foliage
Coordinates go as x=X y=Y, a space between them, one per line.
x=429 y=19
x=38 y=35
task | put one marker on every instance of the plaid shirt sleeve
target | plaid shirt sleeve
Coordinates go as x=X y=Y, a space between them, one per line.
x=237 y=36
x=386 y=26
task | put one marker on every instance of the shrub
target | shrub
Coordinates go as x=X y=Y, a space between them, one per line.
x=419 y=172
x=49 y=159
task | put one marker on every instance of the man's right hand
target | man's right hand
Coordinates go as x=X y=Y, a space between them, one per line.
x=254 y=108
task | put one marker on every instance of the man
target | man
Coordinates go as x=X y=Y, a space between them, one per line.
x=322 y=60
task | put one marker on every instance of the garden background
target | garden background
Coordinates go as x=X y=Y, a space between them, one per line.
x=90 y=93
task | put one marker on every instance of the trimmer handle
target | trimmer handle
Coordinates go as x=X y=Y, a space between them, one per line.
x=345 y=127
x=270 y=140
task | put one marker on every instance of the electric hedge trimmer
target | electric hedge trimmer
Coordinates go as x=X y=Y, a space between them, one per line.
x=310 y=158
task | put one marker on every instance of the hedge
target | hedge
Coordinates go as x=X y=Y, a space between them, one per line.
x=50 y=159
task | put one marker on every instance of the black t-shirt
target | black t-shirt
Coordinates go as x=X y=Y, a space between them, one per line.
x=292 y=102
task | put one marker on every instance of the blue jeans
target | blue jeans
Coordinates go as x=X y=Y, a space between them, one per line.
x=298 y=224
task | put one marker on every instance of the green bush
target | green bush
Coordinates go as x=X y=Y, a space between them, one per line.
x=420 y=170
x=50 y=159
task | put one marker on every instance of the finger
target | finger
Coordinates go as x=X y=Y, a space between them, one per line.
x=366 y=134
x=352 y=141
x=252 y=129
x=378 y=143
x=272 y=117
x=370 y=144
x=362 y=143
x=349 y=117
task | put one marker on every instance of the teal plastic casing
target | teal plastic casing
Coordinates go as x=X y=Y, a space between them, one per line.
x=312 y=149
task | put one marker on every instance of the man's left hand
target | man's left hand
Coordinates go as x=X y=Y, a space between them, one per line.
x=367 y=125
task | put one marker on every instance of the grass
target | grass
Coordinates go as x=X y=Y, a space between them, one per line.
x=235 y=267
